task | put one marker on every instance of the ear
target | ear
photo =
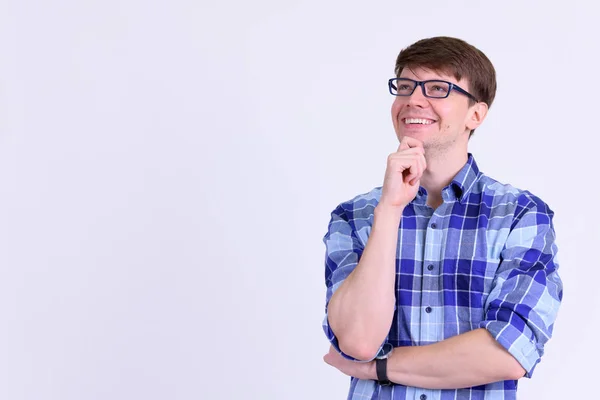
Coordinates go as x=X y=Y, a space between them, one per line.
x=476 y=115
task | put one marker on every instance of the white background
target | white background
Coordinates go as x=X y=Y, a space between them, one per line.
x=167 y=170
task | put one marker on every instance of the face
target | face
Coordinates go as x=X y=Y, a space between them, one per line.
x=448 y=121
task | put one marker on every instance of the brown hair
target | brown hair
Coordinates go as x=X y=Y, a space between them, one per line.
x=453 y=57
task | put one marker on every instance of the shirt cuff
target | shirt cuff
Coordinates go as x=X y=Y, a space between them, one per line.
x=517 y=343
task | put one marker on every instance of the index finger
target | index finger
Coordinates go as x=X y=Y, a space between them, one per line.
x=408 y=142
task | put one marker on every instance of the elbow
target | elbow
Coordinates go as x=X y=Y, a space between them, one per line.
x=358 y=350
x=517 y=372
x=514 y=370
x=358 y=345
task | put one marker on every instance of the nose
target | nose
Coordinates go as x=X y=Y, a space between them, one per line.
x=417 y=98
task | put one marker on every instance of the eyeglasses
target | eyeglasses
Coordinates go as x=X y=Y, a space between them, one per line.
x=434 y=89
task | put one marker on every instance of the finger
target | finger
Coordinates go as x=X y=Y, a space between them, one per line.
x=421 y=166
x=417 y=174
x=415 y=151
x=403 y=145
x=413 y=172
x=411 y=142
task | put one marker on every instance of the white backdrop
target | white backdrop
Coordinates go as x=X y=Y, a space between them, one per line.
x=167 y=170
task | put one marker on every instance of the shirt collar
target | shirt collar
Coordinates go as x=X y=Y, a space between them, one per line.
x=466 y=178
x=460 y=186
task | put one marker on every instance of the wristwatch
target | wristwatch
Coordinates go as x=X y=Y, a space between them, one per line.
x=381 y=364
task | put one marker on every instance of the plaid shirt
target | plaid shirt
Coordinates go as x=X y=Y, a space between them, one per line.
x=485 y=258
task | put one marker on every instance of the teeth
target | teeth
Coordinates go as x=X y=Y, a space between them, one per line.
x=417 y=121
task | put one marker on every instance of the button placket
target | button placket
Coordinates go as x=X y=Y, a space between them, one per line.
x=430 y=297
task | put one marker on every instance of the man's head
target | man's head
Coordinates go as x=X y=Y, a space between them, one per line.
x=453 y=118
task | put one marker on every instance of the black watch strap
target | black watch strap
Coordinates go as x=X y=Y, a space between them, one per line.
x=381 y=368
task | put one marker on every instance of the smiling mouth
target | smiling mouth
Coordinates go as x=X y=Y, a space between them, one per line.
x=418 y=121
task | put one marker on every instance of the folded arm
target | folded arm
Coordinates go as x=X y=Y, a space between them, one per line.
x=518 y=321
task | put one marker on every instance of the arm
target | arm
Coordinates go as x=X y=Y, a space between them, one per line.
x=361 y=296
x=370 y=286
x=519 y=319
x=524 y=301
x=471 y=359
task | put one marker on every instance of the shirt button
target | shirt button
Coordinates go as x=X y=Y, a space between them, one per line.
x=434 y=225
x=423 y=397
x=428 y=310
x=430 y=267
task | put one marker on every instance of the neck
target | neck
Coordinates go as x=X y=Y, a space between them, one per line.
x=442 y=167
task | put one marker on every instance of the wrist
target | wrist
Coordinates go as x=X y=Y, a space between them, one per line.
x=384 y=214
x=371 y=371
x=381 y=362
x=389 y=209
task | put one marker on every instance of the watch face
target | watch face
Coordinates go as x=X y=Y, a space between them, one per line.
x=385 y=350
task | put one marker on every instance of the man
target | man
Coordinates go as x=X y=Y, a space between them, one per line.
x=442 y=283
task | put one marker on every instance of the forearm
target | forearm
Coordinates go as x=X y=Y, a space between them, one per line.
x=471 y=359
x=360 y=312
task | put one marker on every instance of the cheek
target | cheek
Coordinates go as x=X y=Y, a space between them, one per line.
x=451 y=113
x=448 y=117
x=445 y=119
x=396 y=107
x=443 y=111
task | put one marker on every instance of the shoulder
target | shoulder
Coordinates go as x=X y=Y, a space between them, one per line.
x=507 y=199
x=356 y=214
x=361 y=205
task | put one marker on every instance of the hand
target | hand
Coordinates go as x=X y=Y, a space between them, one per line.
x=403 y=173
x=357 y=369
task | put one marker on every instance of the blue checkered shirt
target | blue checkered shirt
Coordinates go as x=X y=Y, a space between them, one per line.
x=485 y=258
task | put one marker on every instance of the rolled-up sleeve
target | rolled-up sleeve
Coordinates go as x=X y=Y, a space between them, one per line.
x=342 y=254
x=523 y=304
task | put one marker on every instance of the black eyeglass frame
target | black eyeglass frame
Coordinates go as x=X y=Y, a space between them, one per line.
x=451 y=87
